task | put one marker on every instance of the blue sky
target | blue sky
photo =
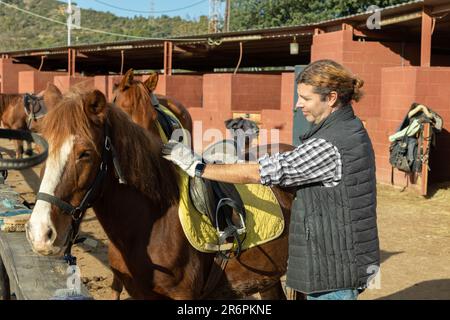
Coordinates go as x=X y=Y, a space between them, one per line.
x=194 y=11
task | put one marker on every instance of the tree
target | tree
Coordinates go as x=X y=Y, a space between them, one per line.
x=249 y=14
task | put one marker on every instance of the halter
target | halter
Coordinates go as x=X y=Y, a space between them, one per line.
x=32 y=113
x=92 y=194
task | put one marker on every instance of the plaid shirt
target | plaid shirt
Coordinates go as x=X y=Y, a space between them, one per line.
x=316 y=160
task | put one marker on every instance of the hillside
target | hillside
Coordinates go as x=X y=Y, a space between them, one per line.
x=22 y=31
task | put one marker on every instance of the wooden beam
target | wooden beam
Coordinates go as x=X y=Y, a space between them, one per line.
x=168 y=48
x=398 y=35
x=427 y=25
x=443 y=8
x=426 y=147
x=71 y=58
x=5 y=291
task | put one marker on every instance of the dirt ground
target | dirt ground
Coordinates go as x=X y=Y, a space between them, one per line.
x=414 y=236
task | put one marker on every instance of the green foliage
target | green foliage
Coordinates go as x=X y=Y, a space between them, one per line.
x=249 y=14
x=22 y=31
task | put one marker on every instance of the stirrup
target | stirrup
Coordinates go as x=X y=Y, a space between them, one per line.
x=230 y=231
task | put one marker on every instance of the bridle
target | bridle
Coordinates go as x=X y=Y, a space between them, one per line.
x=92 y=194
x=32 y=114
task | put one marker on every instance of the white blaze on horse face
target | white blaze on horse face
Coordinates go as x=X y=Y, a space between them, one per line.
x=40 y=222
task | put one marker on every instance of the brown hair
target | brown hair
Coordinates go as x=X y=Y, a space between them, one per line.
x=327 y=76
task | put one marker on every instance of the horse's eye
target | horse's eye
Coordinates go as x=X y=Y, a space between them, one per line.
x=84 y=155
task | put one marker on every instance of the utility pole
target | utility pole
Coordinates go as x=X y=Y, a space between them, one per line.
x=227 y=15
x=215 y=15
x=69 y=22
x=152 y=8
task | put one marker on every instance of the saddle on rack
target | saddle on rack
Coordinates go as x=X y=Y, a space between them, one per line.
x=406 y=151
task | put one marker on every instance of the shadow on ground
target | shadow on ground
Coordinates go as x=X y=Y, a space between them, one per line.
x=427 y=290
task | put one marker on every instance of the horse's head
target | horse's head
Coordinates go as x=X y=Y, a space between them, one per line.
x=37 y=106
x=75 y=132
x=135 y=98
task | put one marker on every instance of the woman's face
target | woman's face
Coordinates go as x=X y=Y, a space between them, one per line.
x=311 y=105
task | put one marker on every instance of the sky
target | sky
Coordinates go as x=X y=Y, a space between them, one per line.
x=170 y=7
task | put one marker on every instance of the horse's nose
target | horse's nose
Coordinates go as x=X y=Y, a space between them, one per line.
x=43 y=236
x=49 y=235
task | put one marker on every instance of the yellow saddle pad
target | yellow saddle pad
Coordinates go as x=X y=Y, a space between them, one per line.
x=264 y=218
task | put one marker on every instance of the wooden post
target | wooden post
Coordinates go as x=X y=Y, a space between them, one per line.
x=5 y=292
x=427 y=25
x=426 y=148
x=74 y=58
x=71 y=58
x=168 y=47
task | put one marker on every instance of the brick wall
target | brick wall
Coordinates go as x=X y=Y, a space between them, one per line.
x=255 y=92
x=66 y=82
x=9 y=75
x=35 y=81
x=392 y=84
x=188 y=89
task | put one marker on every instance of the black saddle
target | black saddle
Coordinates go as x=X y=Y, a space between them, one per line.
x=220 y=201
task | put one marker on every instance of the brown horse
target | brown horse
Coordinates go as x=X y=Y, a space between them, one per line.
x=135 y=98
x=149 y=252
x=14 y=116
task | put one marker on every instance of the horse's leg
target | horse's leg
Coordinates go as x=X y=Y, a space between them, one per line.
x=273 y=293
x=19 y=149
x=29 y=151
x=118 y=268
x=116 y=287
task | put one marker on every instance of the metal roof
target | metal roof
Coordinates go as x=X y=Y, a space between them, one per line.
x=262 y=47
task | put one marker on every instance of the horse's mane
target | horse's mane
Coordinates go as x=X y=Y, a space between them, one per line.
x=6 y=99
x=138 y=151
x=140 y=95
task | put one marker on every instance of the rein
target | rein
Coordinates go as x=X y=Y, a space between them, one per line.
x=92 y=194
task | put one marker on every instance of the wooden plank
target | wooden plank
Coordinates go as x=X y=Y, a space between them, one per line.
x=426 y=149
x=5 y=292
x=31 y=276
x=35 y=277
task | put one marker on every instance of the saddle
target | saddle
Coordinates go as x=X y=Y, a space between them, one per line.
x=219 y=201
x=34 y=108
x=406 y=151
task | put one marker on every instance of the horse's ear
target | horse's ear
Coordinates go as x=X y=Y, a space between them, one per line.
x=52 y=96
x=152 y=81
x=127 y=79
x=95 y=105
x=54 y=89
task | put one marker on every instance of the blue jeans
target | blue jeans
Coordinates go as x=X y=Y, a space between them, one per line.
x=348 y=294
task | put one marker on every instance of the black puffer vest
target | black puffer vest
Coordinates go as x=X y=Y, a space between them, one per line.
x=333 y=241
